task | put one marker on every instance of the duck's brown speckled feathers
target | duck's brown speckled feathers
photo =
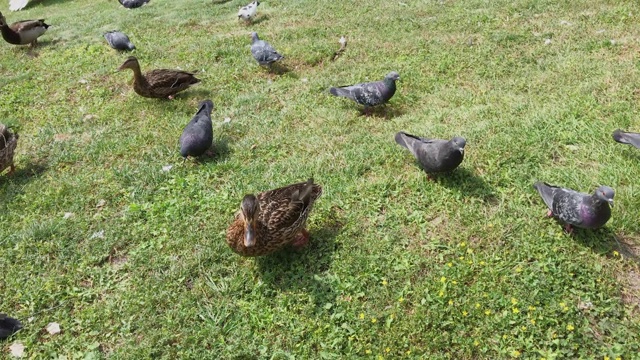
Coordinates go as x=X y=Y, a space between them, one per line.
x=281 y=217
x=159 y=83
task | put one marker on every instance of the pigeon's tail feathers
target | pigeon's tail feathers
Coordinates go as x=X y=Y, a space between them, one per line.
x=340 y=92
x=15 y=5
x=546 y=191
x=400 y=139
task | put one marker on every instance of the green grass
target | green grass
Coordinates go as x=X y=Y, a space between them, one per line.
x=466 y=267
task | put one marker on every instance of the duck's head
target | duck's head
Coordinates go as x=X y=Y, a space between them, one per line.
x=130 y=63
x=249 y=210
x=605 y=193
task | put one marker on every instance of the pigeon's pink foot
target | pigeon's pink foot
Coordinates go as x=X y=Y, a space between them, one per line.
x=549 y=213
x=301 y=240
x=568 y=229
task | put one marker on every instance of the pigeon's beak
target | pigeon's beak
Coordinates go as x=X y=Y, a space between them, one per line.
x=610 y=201
x=461 y=150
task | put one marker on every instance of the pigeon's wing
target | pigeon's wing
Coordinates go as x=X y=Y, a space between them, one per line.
x=627 y=138
x=547 y=192
x=566 y=205
x=264 y=52
x=416 y=144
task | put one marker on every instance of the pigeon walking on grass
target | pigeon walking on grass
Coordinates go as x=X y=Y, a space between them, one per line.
x=247 y=13
x=434 y=155
x=132 y=4
x=263 y=52
x=197 y=136
x=627 y=138
x=8 y=326
x=369 y=94
x=577 y=209
x=118 y=40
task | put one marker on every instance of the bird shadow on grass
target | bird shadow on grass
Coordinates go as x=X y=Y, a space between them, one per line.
x=467 y=182
x=603 y=241
x=632 y=153
x=300 y=270
x=259 y=19
x=20 y=177
x=219 y=150
x=218 y=2
x=280 y=69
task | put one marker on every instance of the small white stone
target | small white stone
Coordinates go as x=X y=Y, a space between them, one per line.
x=565 y=22
x=98 y=234
x=67 y=215
x=304 y=80
x=166 y=168
x=82 y=81
x=547 y=41
x=226 y=120
x=601 y=31
x=53 y=328
x=17 y=349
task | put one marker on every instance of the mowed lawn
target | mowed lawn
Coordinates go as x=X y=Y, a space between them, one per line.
x=131 y=261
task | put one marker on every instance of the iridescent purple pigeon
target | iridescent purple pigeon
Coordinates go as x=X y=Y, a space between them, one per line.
x=577 y=209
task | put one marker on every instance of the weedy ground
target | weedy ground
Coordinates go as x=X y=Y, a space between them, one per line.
x=131 y=259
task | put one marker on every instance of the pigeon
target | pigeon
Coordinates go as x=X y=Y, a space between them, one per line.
x=627 y=138
x=434 y=155
x=132 y=4
x=8 y=326
x=369 y=94
x=197 y=136
x=263 y=52
x=246 y=13
x=118 y=40
x=15 y=5
x=577 y=209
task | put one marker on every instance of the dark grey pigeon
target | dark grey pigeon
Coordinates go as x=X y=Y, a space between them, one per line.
x=577 y=209
x=197 y=136
x=627 y=138
x=369 y=94
x=8 y=326
x=434 y=155
x=132 y=4
x=263 y=52
x=118 y=40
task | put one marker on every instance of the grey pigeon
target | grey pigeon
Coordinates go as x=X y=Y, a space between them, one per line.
x=8 y=326
x=132 y=4
x=197 y=136
x=434 y=155
x=577 y=209
x=369 y=94
x=627 y=138
x=263 y=52
x=118 y=40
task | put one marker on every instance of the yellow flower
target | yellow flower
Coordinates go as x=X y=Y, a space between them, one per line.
x=401 y=299
x=481 y=262
x=450 y=302
x=477 y=305
x=519 y=269
x=514 y=301
x=523 y=328
x=463 y=244
x=515 y=310
x=469 y=251
x=443 y=279
x=570 y=327
x=441 y=293
x=384 y=282
x=449 y=264
x=367 y=351
x=504 y=336
x=387 y=350
x=361 y=316
x=565 y=309
x=454 y=282
x=461 y=258
x=374 y=320
x=465 y=313
x=615 y=253
x=408 y=352
x=533 y=321
x=562 y=304
x=487 y=312
x=380 y=357
x=618 y=358
x=515 y=353
x=531 y=308
x=476 y=343
x=606 y=357
x=490 y=225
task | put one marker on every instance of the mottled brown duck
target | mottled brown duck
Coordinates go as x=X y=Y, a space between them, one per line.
x=269 y=221
x=159 y=83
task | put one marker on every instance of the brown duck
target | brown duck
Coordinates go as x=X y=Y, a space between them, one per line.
x=159 y=83
x=22 y=32
x=273 y=219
